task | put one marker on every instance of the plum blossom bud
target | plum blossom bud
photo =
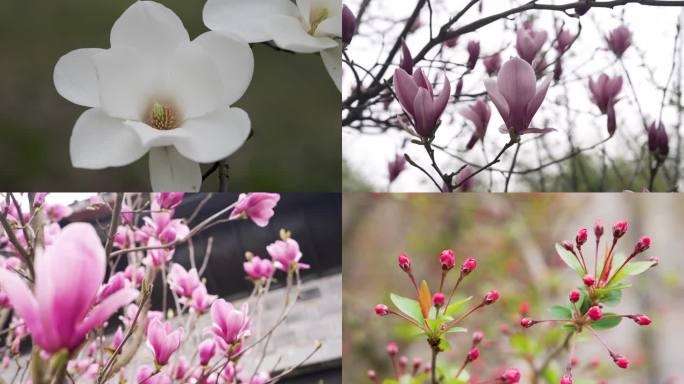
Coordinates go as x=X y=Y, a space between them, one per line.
x=574 y=296
x=511 y=376
x=619 y=229
x=567 y=245
x=526 y=322
x=392 y=348
x=477 y=337
x=492 y=64
x=598 y=229
x=447 y=259
x=438 y=299
x=406 y=61
x=206 y=349
x=588 y=280
x=404 y=262
x=473 y=354
x=348 y=24
x=473 y=53
x=491 y=297
x=581 y=237
x=595 y=313
x=468 y=266
x=381 y=310
x=619 y=40
x=566 y=379
x=417 y=362
x=529 y=42
x=395 y=167
x=620 y=361
x=643 y=244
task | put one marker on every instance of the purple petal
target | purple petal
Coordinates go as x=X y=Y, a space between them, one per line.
x=497 y=98
x=422 y=81
x=537 y=130
x=24 y=303
x=517 y=83
x=441 y=102
x=405 y=88
x=101 y=312
x=538 y=98
x=422 y=107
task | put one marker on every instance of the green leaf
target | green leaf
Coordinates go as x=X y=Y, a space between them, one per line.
x=457 y=330
x=444 y=344
x=455 y=306
x=569 y=259
x=560 y=312
x=611 y=297
x=632 y=269
x=408 y=306
x=608 y=321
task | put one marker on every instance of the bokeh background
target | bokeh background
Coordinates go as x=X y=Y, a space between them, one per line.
x=292 y=102
x=512 y=237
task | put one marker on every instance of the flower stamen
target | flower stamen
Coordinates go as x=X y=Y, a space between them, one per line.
x=162 y=117
x=315 y=21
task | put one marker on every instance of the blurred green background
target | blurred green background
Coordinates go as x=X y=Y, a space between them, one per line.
x=292 y=102
x=512 y=236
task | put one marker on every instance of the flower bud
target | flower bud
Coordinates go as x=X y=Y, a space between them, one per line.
x=473 y=53
x=477 y=337
x=392 y=348
x=598 y=229
x=473 y=354
x=417 y=362
x=406 y=61
x=492 y=64
x=621 y=361
x=438 y=299
x=491 y=297
x=447 y=259
x=348 y=24
x=567 y=245
x=403 y=362
x=641 y=319
x=527 y=322
x=655 y=260
x=588 y=280
x=450 y=43
x=381 y=310
x=595 y=313
x=468 y=265
x=524 y=308
x=372 y=375
x=619 y=229
x=511 y=376
x=643 y=244
x=404 y=262
x=566 y=379
x=581 y=237
x=574 y=296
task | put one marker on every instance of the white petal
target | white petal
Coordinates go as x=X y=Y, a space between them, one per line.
x=305 y=11
x=195 y=81
x=76 y=79
x=332 y=59
x=169 y=171
x=234 y=60
x=215 y=136
x=247 y=19
x=150 y=28
x=152 y=137
x=126 y=82
x=332 y=26
x=99 y=141
x=289 y=34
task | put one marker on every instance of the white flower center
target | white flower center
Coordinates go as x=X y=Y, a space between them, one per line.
x=317 y=17
x=163 y=116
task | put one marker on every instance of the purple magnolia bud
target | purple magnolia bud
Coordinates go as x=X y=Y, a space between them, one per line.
x=563 y=40
x=619 y=40
x=557 y=69
x=479 y=113
x=396 y=166
x=492 y=64
x=611 y=123
x=348 y=24
x=529 y=42
x=406 y=62
x=473 y=53
x=662 y=141
x=605 y=90
x=652 y=138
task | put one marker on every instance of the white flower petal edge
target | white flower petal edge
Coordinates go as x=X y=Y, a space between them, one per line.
x=247 y=19
x=332 y=59
x=75 y=77
x=288 y=34
x=169 y=171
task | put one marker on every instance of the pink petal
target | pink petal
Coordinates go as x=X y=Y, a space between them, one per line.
x=517 y=83
x=22 y=300
x=441 y=102
x=422 y=109
x=405 y=88
x=537 y=130
x=497 y=98
x=103 y=311
x=538 y=98
x=422 y=81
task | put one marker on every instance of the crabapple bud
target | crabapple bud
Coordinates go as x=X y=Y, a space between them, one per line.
x=595 y=313
x=438 y=299
x=524 y=308
x=392 y=348
x=447 y=259
x=372 y=375
x=641 y=319
x=598 y=229
x=473 y=354
x=403 y=362
x=566 y=379
x=477 y=337
x=643 y=244
x=588 y=280
x=468 y=265
x=404 y=262
x=619 y=229
x=581 y=237
x=567 y=245
x=527 y=322
x=621 y=361
x=511 y=376
x=491 y=297
x=417 y=362
x=574 y=296
x=573 y=362
x=381 y=310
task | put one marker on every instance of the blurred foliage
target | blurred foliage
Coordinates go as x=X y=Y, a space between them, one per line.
x=292 y=103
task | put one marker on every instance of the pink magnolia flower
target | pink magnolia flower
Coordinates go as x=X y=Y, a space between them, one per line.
x=180 y=368
x=257 y=206
x=605 y=90
x=229 y=324
x=166 y=200
x=258 y=268
x=162 y=226
x=183 y=282
x=396 y=166
x=206 y=350
x=473 y=48
x=529 y=42
x=148 y=375
x=658 y=141
x=163 y=341
x=59 y=312
x=157 y=257
x=619 y=39
x=286 y=255
x=348 y=24
x=115 y=283
x=492 y=64
x=39 y=199
x=516 y=97
x=416 y=96
x=117 y=338
x=124 y=237
x=406 y=60
x=564 y=40
x=201 y=300
x=479 y=113
x=57 y=212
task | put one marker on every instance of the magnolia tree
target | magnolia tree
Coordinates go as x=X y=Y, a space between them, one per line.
x=61 y=287
x=435 y=316
x=574 y=101
x=156 y=91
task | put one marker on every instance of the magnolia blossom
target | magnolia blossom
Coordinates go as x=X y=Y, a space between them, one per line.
x=416 y=96
x=479 y=113
x=166 y=200
x=201 y=300
x=605 y=90
x=396 y=166
x=348 y=24
x=163 y=341
x=148 y=375
x=230 y=325
x=156 y=91
x=183 y=282
x=529 y=42
x=57 y=212
x=258 y=206
x=492 y=64
x=619 y=40
x=473 y=48
x=516 y=96
x=564 y=39
x=258 y=268
x=286 y=255
x=206 y=350
x=59 y=312
x=304 y=26
x=658 y=141
x=406 y=60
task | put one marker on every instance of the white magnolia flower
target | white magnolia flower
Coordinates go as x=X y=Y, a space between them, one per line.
x=155 y=90
x=309 y=26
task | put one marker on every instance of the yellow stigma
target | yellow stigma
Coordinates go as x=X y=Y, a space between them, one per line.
x=162 y=117
x=315 y=21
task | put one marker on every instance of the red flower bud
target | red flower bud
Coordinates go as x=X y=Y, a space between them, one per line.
x=588 y=280
x=438 y=299
x=416 y=364
x=527 y=322
x=598 y=229
x=473 y=354
x=491 y=297
x=621 y=361
x=392 y=348
x=619 y=229
x=573 y=362
x=641 y=319
x=574 y=296
x=468 y=265
x=567 y=245
x=372 y=375
x=511 y=376
x=477 y=337
x=404 y=262
x=447 y=259
x=403 y=361
x=524 y=308
x=581 y=237
x=643 y=244
x=595 y=313
x=381 y=310
x=566 y=379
